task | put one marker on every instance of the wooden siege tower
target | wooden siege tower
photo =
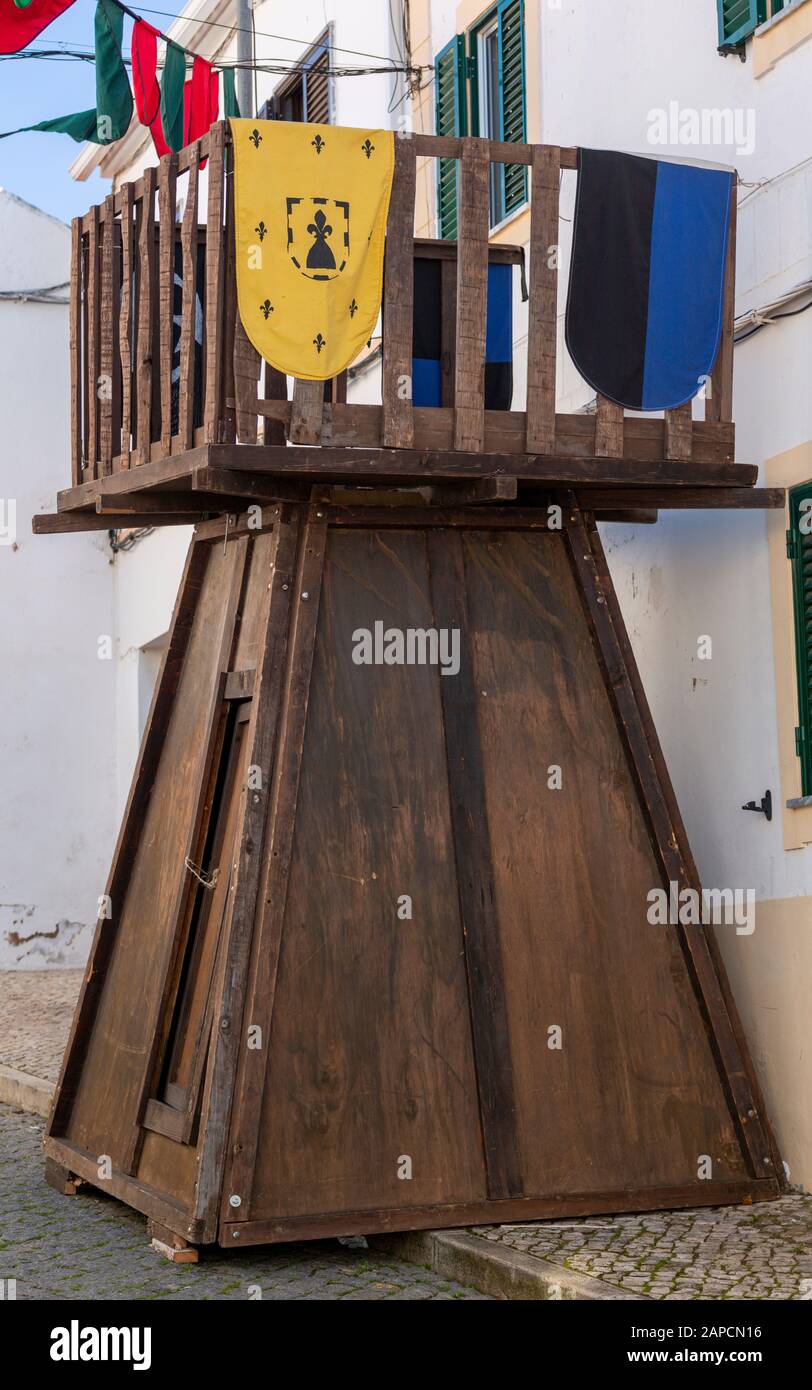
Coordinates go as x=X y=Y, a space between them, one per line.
x=346 y=909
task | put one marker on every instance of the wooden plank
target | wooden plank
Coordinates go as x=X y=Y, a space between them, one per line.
x=167 y=187
x=609 y=429
x=123 y=446
x=154 y=504
x=516 y=1210
x=719 y=404
x=214 y=285
x=128 y=838
x=667 y=833
x=228 y=1045
x=306 y=412
x=106 y=331
x=472 y=296
x=188 y=239
x=247 y=363
x=136 y=1194
x=677 y=498
x=63 y=523
x=92 y=340
x=475 y=493
x=165 y=980
x=398 y=302
x=407 y=466
x=230 y=483
x=475 y=878
x=505 y=431
x=275 y=389
x=498 y=151
x=678 y=432
x=76 y=294
x=292 y=635
x=228 y=428
x=543 y=307
x=145 y=347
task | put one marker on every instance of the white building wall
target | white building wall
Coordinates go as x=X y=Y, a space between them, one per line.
x=57 y=813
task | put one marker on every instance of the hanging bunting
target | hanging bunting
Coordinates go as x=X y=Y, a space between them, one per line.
x=644 y=308
x=109 y=120
x=173 y=81
x=201 y=100
x=21 y=22
x=311 y=204
x=146 y=90
x=231 y=109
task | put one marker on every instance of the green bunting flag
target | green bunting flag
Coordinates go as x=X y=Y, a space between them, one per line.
x=111 y=116
x=231 y=109
x=172 y=84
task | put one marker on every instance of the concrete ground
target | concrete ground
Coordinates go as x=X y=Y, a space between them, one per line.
x=92 y=1246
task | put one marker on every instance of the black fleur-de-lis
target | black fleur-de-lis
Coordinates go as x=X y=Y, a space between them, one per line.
x=368 y=147
x=353 y=309
x=318 y=144
x=267 y=308
x=319 y=342
x=261 y=230
x=255 y=138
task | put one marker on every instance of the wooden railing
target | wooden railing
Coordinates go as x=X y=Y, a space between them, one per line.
x=160 y=363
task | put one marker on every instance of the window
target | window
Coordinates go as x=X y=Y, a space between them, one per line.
x=307 y=95
x=738 y=19
x=479 y=87
x=799 y=550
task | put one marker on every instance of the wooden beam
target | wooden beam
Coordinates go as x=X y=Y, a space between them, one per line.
x=682 y=498
x=62 y=523
x=230 y=483
x=398 y=302
x=472 y=296
x=543 y=306
x=360 y=426
x=167 y=185
x=188 y=238
x=214 y=285
x=150 y=504
x=474 y=493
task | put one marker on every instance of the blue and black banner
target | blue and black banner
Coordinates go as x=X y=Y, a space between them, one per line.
x=427 y=335
x=646 y=289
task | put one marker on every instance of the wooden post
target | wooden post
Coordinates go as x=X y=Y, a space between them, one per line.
x=543 y=307
x=76 y=295
x=679 y=431
x=398 y=417
x=167 y=184
x=719 y=405
x=143 y=383
x=106 y=330
x=307 y=412
x=93 y=321
x=608 y=429
x=188 y=238
x=123 y=445
x=214 y=284
x=472 y=296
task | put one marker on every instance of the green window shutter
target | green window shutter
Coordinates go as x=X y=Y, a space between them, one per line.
x=738 y=18
x=799 y=547
x=449 y=119
x=512 y=82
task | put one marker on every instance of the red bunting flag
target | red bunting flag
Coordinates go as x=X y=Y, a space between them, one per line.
x=146 y=89
x=201 y=102
x=22 y=20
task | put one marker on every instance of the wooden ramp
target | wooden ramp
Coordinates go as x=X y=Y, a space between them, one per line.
x=351 y=912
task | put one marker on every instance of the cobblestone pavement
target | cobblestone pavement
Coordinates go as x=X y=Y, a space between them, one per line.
x=92 y=1247
x=37 y=1008
x=753 y=1252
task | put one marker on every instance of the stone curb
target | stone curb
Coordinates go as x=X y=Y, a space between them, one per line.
x=26 y=1092
x=497 y=1270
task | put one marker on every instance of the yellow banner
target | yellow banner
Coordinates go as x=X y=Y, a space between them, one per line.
x=311 y=203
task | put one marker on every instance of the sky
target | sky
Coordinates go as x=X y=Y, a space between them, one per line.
x=35 y=166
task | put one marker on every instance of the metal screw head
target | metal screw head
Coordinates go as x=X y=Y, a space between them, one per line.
x=750 y=1114
x=224 y=1024
x=235 y=1235
x=305 y=594
x=234 y=1200
x=285 y=587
